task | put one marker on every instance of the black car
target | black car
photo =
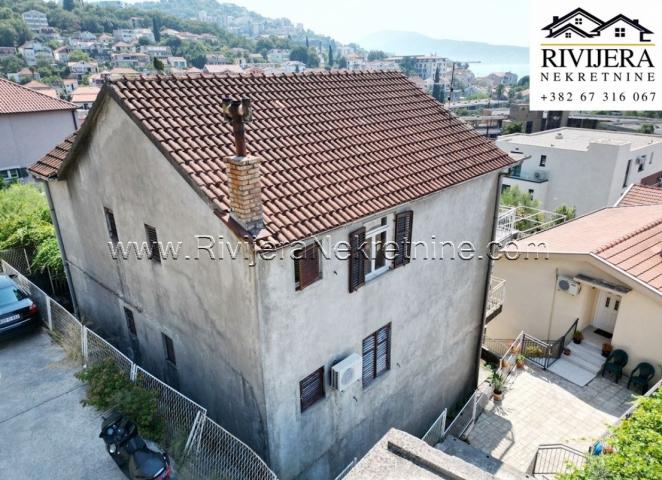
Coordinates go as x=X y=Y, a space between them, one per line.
x=17 y=310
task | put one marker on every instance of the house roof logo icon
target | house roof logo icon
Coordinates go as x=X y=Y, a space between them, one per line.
x=580 y=24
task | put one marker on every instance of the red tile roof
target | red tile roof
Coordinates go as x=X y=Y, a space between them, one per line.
x=48 y=166
x=15 y=98
x=336 y=147
x=641 y=195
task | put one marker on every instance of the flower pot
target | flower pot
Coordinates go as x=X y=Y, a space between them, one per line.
x=516 y=347
x=497 y=396
x=566 y=351
x=606 y=349
x=608 y=449
x=519 y=363
x=577 y=340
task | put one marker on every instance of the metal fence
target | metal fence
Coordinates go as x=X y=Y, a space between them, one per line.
x=553 y=459
x=203 y=449
x=436 y=431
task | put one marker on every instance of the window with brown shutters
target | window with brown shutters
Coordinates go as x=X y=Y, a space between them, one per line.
x=376 y=354
x=311 y=388
x=356 y=259
x=153 y=242
x=403 y=231
x=307 y=266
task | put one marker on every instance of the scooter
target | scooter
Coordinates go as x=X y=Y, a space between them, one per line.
x=126 y=447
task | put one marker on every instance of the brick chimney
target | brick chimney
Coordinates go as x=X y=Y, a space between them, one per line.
x=243 y=170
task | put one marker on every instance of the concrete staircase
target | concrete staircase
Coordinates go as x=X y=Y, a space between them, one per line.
x=582 y=365
x=501 y=471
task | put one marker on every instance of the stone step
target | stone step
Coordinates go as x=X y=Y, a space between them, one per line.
x=585 y=356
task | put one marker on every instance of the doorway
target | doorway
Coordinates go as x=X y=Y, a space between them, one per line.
x=606 y=311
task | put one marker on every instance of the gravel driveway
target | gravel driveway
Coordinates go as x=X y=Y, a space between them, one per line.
x=44 y=430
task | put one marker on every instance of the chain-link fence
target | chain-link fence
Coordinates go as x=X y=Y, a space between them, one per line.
x=203 y=449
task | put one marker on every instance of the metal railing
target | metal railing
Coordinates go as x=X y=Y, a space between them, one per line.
x=556 y=458
x=203 y=449
x=436 y=431
x=517 y=222
x=346 y=470
x=497 y=295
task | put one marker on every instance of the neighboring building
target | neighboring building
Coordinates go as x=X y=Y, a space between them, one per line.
x=84 y=97
x=502 y=78
x=538 y=120
x=7 y=52
x=117 y=73
x=34 y=52
x=156 y=51
x=587 y=169
x=293 y=66
x=233 y=68
x=580 y=24
x=30 y=124
x=177 y=62
x=215 y=59
x=130 y=60
x=122 y=47
x=82 y=68
x=637 y=195
x=61 y=54
x=42 y=88
x=256 y=344
x=70 y=84
x=127 y=35
x=23 y=76
x=604 y=269
x=278 y=55
x=35 y=20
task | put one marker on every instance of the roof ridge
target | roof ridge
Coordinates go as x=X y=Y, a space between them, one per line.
x=14 y=84
x=627 y=236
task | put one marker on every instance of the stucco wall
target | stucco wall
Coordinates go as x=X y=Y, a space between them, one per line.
x=435 y=311
x=207 y=307
x=26 y=137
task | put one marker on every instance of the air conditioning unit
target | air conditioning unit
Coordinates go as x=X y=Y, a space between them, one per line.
x=538 y=175
x=568 y=285
x=346 y=372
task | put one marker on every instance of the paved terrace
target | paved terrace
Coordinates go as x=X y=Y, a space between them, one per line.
x=540 y=407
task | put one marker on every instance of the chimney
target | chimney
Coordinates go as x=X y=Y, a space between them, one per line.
x=555 y=19
x=635 y=21
x=243 y=170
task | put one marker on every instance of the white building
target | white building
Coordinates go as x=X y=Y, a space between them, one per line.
x=293 y=66
x=82 y=68
x=278 y=55
x=587 y=169
x=35 y=20
x=33 y=52
x=426 y=66
x=177 y=62
x=156 y=51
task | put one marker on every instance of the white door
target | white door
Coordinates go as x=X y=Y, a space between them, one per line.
x=606 y=311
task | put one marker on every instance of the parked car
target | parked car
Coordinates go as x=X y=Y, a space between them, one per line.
x=17 y=310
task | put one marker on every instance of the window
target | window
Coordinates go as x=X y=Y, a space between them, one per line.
x=516 y=171
x=153 y=241
x=375 y=251
x=110 y=224
x=568 y=35
x=403 y=238
x=376 y=354
x=627 y=173
x=505 y=188
x=311 y=388
x=543 y=160
x=579 y=21
x=617 y=304
x=307 y=266
x=620 y=32
x=607 y=302
x=130 y=322
x=169 y=349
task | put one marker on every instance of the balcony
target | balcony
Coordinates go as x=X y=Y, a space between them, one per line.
x=495 y=298
x=538 y=176
x=519 y=222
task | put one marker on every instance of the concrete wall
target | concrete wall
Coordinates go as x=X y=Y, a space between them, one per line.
x=435 y=311
x=207 y=307
x=26 y=137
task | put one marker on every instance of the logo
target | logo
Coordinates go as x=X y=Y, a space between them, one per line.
x=594 y=58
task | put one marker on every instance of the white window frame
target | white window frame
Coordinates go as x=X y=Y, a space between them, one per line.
x=371 y=236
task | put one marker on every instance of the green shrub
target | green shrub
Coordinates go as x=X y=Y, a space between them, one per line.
x=110 y=388
x=637 y=444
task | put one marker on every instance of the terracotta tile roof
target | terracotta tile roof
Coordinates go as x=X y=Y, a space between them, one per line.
x=336 y=147
x=15 y=98
x=641 y=195
x=48 y=166
x=629 y=239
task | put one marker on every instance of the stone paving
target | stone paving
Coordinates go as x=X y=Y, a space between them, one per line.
x=540 y=407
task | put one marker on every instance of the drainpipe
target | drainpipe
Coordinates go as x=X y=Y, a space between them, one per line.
x=551 y=310
x=60 y=243
x=486 y=291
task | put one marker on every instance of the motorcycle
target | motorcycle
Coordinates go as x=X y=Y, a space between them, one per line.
x=126 y=447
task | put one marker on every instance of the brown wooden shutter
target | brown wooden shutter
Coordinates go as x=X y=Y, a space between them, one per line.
x=311 y=388
x=356 y=259
x=309 y=266
x=403 y=229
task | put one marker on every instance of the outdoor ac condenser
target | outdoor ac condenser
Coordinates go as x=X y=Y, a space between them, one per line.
x=346 y=372
x=568 y=285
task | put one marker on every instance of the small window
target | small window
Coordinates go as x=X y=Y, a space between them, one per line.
x=153 y=242
x=607 y=302
x=376 y=354
x=169 y=349
x=110 y=225
x=306 y=266
x=375 y=251
x=579 y=21
x=627 y=173
x=311 y=388
x=543 y=160
x=620 y=32
x=617 y=304
x=531 y=191
x=130 y=322
x=568 y=35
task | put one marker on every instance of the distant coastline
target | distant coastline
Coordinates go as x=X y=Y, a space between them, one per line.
x=484 y=69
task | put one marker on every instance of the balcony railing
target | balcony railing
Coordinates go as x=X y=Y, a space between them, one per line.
x=496 y=296
x=517 y=222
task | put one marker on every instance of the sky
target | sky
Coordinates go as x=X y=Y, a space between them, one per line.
x=501 y=22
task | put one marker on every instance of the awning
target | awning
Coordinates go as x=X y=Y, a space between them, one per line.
x=602 y=284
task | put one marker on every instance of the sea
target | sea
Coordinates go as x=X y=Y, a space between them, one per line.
x=484 y=69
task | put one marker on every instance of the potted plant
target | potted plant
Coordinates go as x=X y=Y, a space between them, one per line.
x=496 y=380
x=519 y=360
x=566 y=351
x=516 y=347
x=504 y=363
x=577 y=337
x=606 y=349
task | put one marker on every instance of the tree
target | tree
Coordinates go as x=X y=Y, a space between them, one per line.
x=376 y=55
x=313 y=59
x=307 y=44
x=68 y=4
x=514 y=197
x=499 y=90
x=437 y=88
x=330 y=60
x=342 y=62
x=158 y=65
x=567 y=211
x=11 y=64
x=523 y=82
x=647 y=128
x=408 y=65
x=78 y=56
x=156 y=28
x=299 y=54
x=513 y=127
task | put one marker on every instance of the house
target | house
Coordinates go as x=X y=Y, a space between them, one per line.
x=581 y=168
x=603 y=269
x=130 y=35
x=82 y=68
x=34 y=52
x=84 y=97
x=35 y=20
x=130 y=60
x=177 y=62
x=502 y=78
x=580 y=24
x=42 y=88
x=622 y=29
x=640 y=195
x=215 y=59
x=234 y=68
x=23 y=76
x=30 y=123
x=7 y=52
x=122 y=47
x=278 y=55
x=61 y=54
x=156 y=51
x=293 y=66
x=115 y=74
x=254 y=337
x=70 y=84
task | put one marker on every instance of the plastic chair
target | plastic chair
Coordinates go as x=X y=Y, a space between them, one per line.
x=615 y=363
x=641 y=376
